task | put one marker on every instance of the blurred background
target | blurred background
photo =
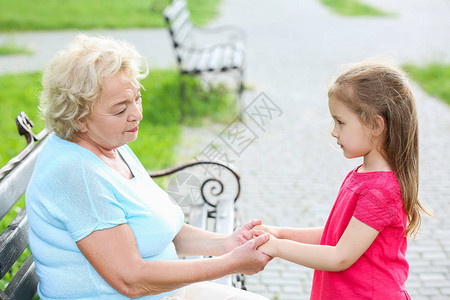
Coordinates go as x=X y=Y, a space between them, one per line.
x=290 y=171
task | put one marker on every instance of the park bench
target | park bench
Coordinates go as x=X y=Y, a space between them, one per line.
x=212 y=189
x=205 y=50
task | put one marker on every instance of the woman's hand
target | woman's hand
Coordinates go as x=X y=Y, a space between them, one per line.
x=241 y=235
x=247 y=259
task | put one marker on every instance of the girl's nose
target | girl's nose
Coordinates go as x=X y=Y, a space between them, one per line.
x=334 y=132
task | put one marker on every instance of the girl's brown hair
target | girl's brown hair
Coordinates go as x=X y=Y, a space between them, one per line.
x=371 y=89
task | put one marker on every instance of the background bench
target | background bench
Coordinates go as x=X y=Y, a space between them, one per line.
x=205 y=50
x=205 y=190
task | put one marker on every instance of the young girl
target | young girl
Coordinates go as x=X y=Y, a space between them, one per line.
x=360 y=253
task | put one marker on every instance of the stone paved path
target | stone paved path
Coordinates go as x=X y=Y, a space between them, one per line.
x=290 y=172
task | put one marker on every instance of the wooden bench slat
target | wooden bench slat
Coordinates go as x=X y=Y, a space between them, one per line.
x=181 y=37
x=14 y=184
x=198 y=216
x=228 y=53
x=13 y=241
x=238 y=59
x=191 y=62
x=203 y=62
x=182 y=20
x=172 y=11
x=24 y=284
x=225 y=225
x=216 y=59
x=225 y=216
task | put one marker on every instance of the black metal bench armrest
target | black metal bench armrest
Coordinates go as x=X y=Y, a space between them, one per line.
x=212 y=186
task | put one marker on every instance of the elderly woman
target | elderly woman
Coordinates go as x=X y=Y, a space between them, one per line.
x=100 y=228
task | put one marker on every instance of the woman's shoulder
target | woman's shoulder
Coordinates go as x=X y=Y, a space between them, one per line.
x=61 y=155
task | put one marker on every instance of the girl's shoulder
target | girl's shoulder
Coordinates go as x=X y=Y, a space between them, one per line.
x=378 y=183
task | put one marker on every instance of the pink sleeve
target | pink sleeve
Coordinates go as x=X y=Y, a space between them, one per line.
x=377 y=208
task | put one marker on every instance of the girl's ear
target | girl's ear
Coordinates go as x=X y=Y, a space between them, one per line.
x=379 y=126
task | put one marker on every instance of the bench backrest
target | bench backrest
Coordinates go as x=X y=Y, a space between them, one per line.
x=14 y=239
x=178 y=20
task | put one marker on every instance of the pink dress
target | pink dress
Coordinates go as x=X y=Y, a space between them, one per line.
x=373 y=198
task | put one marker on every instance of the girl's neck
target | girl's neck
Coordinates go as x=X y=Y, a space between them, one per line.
x=374 y=161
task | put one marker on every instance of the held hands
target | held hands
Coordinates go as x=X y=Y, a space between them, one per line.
x=240 y=236
x=242 y=246
x=268 y=248
x=269 y=229
x=247 y=259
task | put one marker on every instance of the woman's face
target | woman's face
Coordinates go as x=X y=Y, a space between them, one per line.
x=114 y=119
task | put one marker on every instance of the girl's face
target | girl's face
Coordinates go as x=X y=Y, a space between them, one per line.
x=351 y=134
x=114 y=119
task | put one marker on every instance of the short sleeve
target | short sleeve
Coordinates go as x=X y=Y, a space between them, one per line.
x=82 y=198
x=376 y=207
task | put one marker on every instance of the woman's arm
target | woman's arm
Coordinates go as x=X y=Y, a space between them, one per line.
x=356 y=239
x=114 y=254
x=301 y=235
x=191 y=241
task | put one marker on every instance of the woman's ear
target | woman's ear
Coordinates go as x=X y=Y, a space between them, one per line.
x=82 y=125
x=379 y=126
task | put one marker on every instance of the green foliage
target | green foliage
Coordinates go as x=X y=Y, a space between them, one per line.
x=10 y=48
x=353 y=8
x=19 y=15
x=165 y=111
x=159 y=131
x=18 y=92
x=433 y=78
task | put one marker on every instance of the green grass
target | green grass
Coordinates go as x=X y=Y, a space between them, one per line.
x=159 y=131
x=24 y=15
x=353 y=8
x=11 y=48
x=433 y=78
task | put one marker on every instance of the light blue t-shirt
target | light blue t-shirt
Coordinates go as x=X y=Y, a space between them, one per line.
x=73 y=193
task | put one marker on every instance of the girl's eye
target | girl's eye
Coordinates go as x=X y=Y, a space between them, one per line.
x=339 y=122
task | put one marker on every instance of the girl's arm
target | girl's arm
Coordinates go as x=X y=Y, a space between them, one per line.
x=114 y=254
x=356 y=239
x=191 y=241
x=301 y=235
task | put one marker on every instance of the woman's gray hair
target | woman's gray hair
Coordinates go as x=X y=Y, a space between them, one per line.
x=74 y=79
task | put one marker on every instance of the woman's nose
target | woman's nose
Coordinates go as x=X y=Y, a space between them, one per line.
x=136 y=114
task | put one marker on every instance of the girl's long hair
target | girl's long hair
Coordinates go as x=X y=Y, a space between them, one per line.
x=371 y=89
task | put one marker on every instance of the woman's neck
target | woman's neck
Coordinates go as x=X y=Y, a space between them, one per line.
x=101 y=152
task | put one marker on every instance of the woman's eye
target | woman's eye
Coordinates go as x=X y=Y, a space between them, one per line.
x=121 y=112
x=139 y=99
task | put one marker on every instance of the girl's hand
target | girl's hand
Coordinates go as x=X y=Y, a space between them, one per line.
x=247 y=259
x=241 y=235
x=269 y=229
x=270 y=247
